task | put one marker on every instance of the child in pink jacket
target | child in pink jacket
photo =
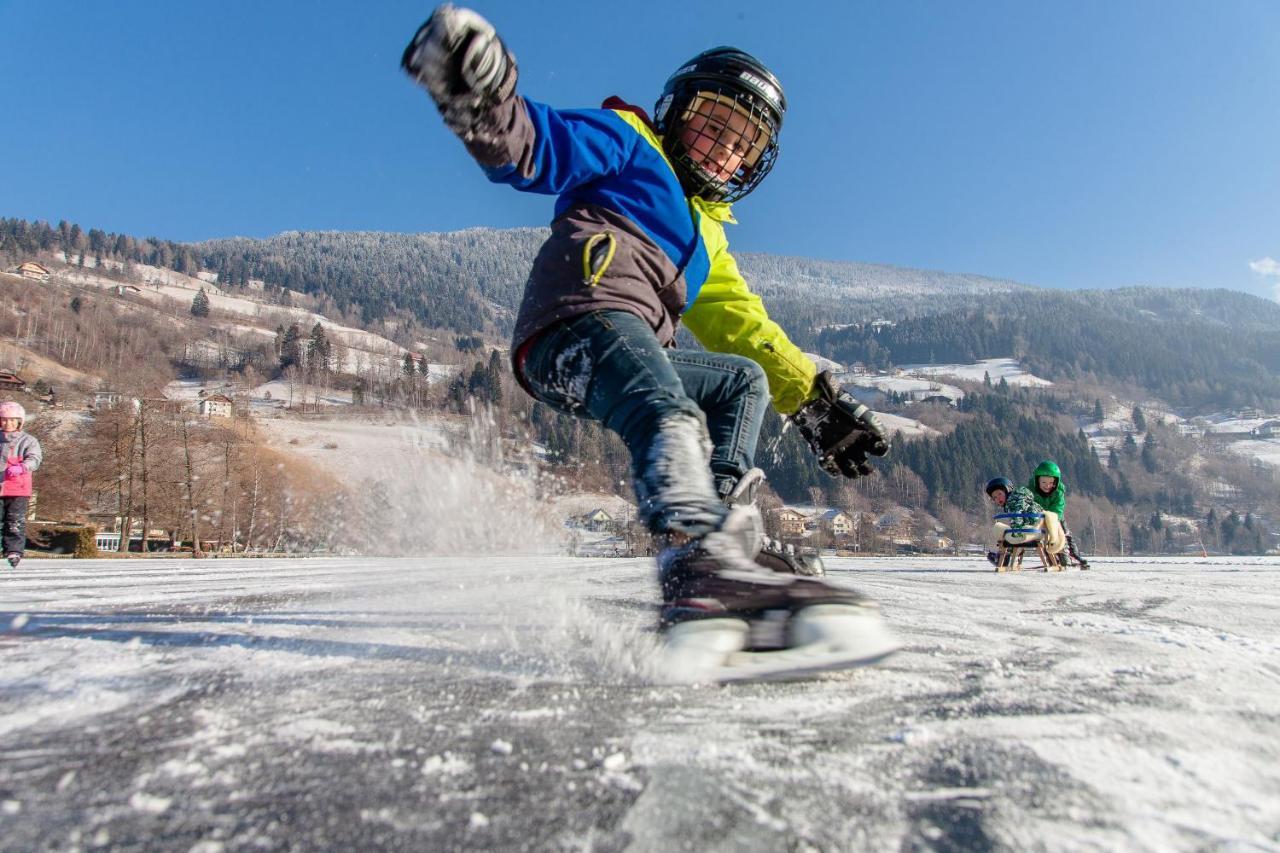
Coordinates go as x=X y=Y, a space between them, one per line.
x=20 y=454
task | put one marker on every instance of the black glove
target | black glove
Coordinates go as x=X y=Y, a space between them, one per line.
x=841 y=431
x=459 y=59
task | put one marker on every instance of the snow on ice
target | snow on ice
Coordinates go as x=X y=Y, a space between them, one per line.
x=510 y=702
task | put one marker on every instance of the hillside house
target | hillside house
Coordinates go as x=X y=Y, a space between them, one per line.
x=838 y=522
x=107 y=399
x=597 y=520
x=1270 y=429
x=936 y=393
x=896 y=525
x=216 y=406
x=164 y=404
x=10 y=381
x=800 y=521
x=33 y=271
x=791 y=521
x=109 y=526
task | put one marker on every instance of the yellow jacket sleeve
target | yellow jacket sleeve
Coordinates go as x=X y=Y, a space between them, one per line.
x=728 y=317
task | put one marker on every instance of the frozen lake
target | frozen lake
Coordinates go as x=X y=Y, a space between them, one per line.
x=510 y=703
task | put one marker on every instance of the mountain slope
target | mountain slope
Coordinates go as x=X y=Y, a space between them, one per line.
x=465 y=279
x=1193 y=348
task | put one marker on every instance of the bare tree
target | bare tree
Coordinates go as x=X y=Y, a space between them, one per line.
x=184 y=431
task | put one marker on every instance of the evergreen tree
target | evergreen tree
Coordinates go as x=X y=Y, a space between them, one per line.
x=408 y=367
x=200 y=304
x=1099 y=414
x=497 y=366
x=1148 y=453
x=291 y=347
x=1123 y=492
x=318 y=349
x=456 y=394
x=1227 y=530
x=476 y=381
x=1139 y=420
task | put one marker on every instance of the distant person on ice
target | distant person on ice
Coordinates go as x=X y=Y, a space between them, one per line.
x=1051 y=494
x=637 y=246
x=21 y=455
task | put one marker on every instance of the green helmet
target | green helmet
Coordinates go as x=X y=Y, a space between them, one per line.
x=1049 y=468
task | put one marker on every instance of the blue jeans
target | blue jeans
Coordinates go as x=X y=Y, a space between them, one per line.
x=664 y=404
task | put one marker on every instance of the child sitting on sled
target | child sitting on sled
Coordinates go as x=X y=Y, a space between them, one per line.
x=1051 y=494
x=1017 y=510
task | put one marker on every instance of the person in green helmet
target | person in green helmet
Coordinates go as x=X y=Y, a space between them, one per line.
x=1051 y=495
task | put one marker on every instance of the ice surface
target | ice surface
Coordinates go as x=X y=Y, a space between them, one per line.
x=509 y=703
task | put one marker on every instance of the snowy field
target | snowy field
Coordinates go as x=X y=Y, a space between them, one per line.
x=995 y=369
x=1263 y=449
x=510 y=703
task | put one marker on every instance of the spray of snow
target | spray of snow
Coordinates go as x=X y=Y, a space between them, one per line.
x=470 y=503
x=572 y=373
x=676 y=481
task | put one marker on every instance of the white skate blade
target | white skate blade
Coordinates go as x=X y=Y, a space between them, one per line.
x=828 y=637
x=693 y=651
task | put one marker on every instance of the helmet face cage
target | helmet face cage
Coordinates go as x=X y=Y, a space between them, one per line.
x=719 y=117
x=715 y=127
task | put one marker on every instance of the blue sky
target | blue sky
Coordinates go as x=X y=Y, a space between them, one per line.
x=1089 y=144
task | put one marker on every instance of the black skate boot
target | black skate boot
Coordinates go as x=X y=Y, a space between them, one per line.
x=1075 y=555
x=728 y=619
x=770 y=553
x=13 y=559
x=784 y=558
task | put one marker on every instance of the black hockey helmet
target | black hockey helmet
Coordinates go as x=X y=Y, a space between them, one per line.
x=699 y=102
x=1003 y=484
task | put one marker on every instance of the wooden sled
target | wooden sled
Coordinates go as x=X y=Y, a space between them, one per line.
x=1028 y=534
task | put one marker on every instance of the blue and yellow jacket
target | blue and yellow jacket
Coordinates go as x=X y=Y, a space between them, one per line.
x=626 y=237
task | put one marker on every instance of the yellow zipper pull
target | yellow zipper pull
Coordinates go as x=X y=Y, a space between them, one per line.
x=597 y=254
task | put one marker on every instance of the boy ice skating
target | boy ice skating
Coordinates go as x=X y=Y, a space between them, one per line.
x=21 y=456
x=637 y=246
x=1051 y=494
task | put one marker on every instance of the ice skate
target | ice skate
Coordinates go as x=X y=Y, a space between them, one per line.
x=770 y=553
x=775 y=556
x=728 y=619
x=13 y=559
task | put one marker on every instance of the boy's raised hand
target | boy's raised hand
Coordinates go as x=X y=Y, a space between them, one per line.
x=459 y=59
x=841 y=431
